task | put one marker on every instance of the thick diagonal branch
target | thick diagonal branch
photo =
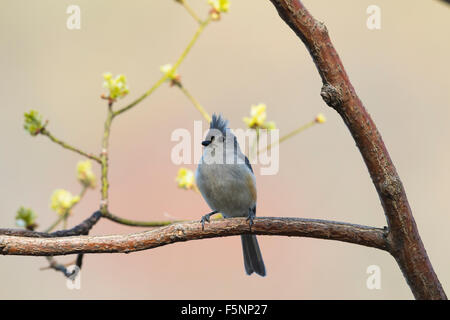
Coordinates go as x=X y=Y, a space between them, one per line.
x=295 y=227
x=337 y=91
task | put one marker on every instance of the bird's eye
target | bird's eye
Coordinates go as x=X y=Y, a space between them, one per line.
x=212 y=138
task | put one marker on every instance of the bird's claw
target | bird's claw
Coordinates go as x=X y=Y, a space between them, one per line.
x=250 y=218
x=204 y=218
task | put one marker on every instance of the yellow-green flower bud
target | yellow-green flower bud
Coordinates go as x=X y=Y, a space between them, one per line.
x=169 y=71
x=33 y=122
x=26 y=218
x=117 y=86
x=258 y=118
x=320 y=118
x=220 y=5
x=85 y=175
x=185 y=178
x=62 y=201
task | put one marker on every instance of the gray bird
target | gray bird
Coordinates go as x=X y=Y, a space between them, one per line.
x=226 y=181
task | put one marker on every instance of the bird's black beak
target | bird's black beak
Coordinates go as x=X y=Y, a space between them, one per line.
x=206 y=143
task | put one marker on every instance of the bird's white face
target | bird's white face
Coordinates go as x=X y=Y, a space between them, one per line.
x=214 y=139
x=219 y=149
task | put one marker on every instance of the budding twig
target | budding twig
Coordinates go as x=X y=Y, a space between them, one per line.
x=64 y=217
x=135 y=223
x=289 y=135
x=190 y=11
x=47 y=133
x=196 y=104
x=165 y=77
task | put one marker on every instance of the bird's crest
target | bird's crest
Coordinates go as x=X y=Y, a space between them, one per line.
x=219 y=123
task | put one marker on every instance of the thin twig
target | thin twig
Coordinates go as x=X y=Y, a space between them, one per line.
x=183 y=55
x=66 y=215
x=81 y=229
x=53 y=264
x=196 y=104
x=45 y=132
x=145 y=95
x=54 y=224
x=194 y=39
x=135 y=223
x=288 y=136
x=104 y=160
x=190 y=11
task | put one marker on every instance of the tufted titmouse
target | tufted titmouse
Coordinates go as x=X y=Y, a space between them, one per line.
x=225 y=178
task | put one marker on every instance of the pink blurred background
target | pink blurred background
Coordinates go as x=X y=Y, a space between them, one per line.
x=250 y=56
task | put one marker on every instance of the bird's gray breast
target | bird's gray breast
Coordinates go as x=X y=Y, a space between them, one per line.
x=227 y=188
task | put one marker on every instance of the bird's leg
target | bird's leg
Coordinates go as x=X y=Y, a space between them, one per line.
x=206 y=218
x=251 y=216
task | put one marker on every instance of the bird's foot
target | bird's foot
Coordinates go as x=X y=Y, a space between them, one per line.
x=251 y=217
x=206 y=218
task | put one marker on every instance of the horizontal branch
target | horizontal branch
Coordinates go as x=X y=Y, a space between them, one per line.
x=83 y=228
x=296 y=227
x=136 y=223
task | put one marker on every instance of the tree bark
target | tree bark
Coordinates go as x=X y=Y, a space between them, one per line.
x=337 y=91
x=401 y=238
x=36 y=245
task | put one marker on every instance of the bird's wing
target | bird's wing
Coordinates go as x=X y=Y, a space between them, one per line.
x=247 y=163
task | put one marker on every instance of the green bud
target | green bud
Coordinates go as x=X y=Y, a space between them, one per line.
x=26 y=218
x=117 y=86
x=33 y=122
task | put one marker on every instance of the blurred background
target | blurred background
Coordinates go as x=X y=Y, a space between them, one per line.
x=400 y=73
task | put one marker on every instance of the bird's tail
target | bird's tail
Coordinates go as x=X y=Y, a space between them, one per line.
x=253 y=260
